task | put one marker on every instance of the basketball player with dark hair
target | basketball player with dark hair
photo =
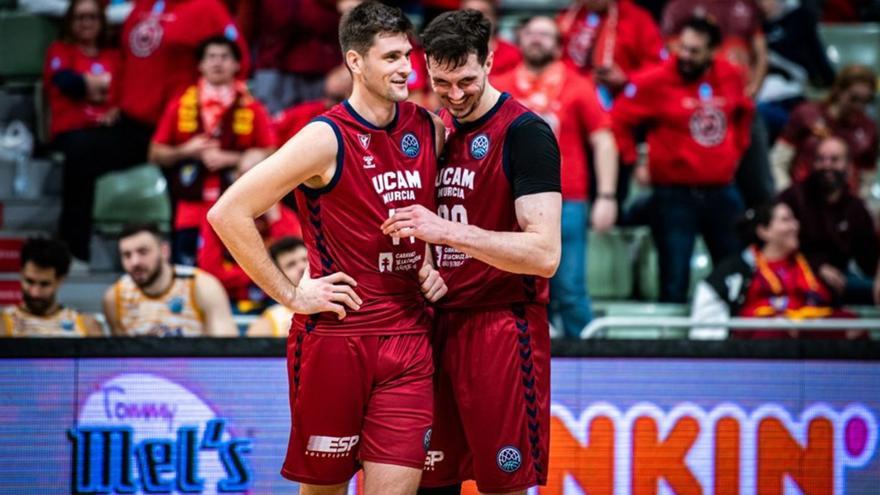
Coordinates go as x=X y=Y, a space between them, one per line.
x=359 y=355
x=497 y=240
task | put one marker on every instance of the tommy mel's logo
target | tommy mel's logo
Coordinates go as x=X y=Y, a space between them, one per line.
x=141 y=433
x=364 y=139
x=409 y=144
x=480 y=146
x=386 y=262
x=509 y=459
x=331 y=447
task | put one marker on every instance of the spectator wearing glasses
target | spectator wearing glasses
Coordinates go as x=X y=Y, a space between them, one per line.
x=843 y=114
x=79 y=78
x=836 y=228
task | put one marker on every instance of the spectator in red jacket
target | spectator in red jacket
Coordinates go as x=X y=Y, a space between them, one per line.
x=202 y=138
x=80 y=80
x=844 y=114
x=698 y=119
x=213 y=257
x=837 y=231
x=296 y=46
x=568 y=102
x=743 y=44
x=160 y=40
x=610 y=40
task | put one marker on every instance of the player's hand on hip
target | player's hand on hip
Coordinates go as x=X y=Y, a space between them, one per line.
x=416 y=221
x=333 y=293
x=433 y=285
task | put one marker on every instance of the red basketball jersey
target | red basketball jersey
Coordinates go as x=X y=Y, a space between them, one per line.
x=474 y=187
x=377 y=170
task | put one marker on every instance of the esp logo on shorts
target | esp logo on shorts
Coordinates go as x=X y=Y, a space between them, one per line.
x=332 y=445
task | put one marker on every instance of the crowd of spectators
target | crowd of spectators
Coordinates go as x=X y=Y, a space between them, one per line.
x=703 y=101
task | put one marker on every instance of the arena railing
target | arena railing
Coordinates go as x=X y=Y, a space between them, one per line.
x=599 y=326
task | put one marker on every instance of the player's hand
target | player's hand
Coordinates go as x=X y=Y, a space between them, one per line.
x=417 y=221
x=604 y=214
x=332 y=293
x=833 y=277
x=433 y=285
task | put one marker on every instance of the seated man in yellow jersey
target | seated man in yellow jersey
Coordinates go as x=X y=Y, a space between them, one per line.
x=44 y=264
x=291 y=256
x=157 y=299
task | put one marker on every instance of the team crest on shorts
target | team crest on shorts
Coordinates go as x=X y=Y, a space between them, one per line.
x=480 y=146
x=426 y=442
x=409 y=144
x=509 y=459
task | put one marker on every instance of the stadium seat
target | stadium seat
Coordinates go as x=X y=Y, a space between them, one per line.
x=646 y=311
x=134 y=195
x=649 y=271
x=848 y=44
x=23 y=41
x=610 y=264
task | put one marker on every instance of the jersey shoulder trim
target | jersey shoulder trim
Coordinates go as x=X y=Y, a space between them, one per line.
x=340 y=160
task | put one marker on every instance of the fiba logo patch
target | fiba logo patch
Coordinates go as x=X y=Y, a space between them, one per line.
x=409 y=144
x=509 y=459
x=426 y=442
x=708 y=126
x=480 y=146
x=175 y=305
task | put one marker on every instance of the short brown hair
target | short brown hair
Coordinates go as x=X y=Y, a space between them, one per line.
x=358 y=28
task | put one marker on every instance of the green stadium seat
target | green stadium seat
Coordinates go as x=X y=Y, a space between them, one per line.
x=137 y=194
x=648 y=269
x=647 y=311
x=24 y=39
x=848 y=44
x=609 y=264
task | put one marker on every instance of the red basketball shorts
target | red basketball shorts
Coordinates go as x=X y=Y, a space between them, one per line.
x=492 y=398
x=355 y=399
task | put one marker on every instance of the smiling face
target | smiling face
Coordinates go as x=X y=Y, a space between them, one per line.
x=384 y=69
x=782 y=231
x=461 y=88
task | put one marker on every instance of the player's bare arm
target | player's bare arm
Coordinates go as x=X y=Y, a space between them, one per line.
x=534 y=251
x=211 y=297
x=308 y=158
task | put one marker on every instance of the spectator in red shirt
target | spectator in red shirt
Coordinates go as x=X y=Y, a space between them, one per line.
x=844 y=114
x=836 y=229
x=743 y=44
x=83 y=97
x=160 y=40
x=569 y=103
x=770 y=279
x=202 y=138
x=213 y=257
x=296 y=46
x=507 y=55
x=697 y=118
x=610 y=40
